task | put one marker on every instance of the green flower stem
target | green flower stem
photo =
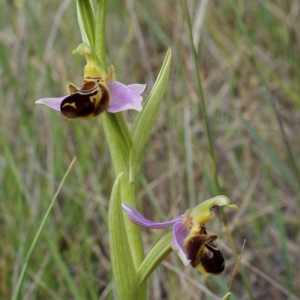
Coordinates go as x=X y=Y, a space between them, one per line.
x=100 y=49
x=118 y=149
x=119 y=143
x=120 y=163
x=119 y=157
x=122 y=126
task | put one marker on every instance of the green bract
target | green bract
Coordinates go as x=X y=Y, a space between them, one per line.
x=157 y=254
x=144 y=121
x=125 y=275
x=86 y=20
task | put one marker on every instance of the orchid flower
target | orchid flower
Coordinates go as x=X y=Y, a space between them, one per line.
x=190 y=239
x=99 y=92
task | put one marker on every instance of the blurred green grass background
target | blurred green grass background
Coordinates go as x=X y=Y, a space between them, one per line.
x=248 y=55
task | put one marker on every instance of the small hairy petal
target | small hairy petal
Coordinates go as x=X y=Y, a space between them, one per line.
x=140 y=220
x=123 y=97
x=52 y=102
x=180 y=232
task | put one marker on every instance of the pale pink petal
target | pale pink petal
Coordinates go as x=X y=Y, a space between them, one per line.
x=123 y=98
x=138 y=88
x=180 y=232
x=52 y=102
x=140 y=220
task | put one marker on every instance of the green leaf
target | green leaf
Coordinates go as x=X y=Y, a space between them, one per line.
x=86 y=20
x=154 y=258
x=144 y=121
x=125 y=275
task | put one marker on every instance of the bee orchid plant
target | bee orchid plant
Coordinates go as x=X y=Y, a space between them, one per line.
x=100 y=94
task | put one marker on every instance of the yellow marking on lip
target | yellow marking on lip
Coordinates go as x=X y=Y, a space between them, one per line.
x=73 y=104
x=95 y=99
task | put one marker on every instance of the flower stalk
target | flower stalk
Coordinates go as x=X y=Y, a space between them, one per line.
x=118 y=139
x=119 y=144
